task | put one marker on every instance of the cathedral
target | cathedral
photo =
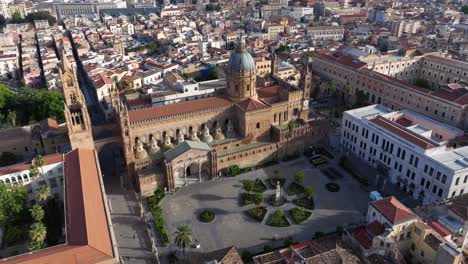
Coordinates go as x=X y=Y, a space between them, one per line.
x=243 y=125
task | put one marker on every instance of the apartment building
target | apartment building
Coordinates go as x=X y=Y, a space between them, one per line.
x=396 y=232
x=322 y=35
x=352 y=76
x=409 y=149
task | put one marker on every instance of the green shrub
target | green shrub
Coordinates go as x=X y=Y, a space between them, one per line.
x=278 y=219
x=207 y=216
x=299 y=177
x=259 y=186
x=258 y=213
x=258 y=198
x=233 y=170
x=276 y=158
x=295 y=189
x=251 y=198
x=267 y=248
x=300 y=214
x=246 y=256
x=305 y=202
x=15 y=234
x=248 y=185
x=288 y=242
x=308 y=192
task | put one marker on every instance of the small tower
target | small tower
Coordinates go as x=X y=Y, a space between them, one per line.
x=275 y=62
x=305 y=83
x=76 y=113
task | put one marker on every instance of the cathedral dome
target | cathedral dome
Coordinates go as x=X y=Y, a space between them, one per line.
x=241 y=60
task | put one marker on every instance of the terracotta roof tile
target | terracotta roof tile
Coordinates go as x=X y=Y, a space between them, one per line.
x=179 y=108
x=407 y=135
x=393 y=210
x=251 y=105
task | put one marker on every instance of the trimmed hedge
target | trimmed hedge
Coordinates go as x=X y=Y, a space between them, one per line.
x=259 y=186
x=207 y=216
x=299 y=215
x=305 y=202
x=278 y=219
x=295 y=189
x=251 y=198
x=157 y=213
x=258 y=213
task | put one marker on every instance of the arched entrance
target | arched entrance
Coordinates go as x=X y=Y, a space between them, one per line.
x=205 y=172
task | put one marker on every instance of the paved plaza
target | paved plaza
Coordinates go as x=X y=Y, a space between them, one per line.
x=233 y=227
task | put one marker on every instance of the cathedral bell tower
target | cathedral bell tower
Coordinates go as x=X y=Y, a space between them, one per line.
x=76 y=113
x=305 y=83
x=241 y=75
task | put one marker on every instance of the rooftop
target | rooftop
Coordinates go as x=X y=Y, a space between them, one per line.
x=393 y=210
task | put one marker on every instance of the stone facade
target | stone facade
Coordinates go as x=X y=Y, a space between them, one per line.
x=243 y=127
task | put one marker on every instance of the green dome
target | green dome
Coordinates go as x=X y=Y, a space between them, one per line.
x=241 y=60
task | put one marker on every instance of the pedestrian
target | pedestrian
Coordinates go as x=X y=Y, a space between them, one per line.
x=134 y=236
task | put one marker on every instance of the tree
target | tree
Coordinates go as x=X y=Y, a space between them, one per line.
x=267 y=248
x=7 y=158
x=40 y=16
x=464 y=9
x=39 y=162
x=37 y=232
x=153 y=47
x=12 y=202
x=308 y=192
x=16 y=18
x=183 y=238
x=299 y=177
x=282 y=48
x=291 y=126
x=37 y=212
x=2 y=21
x=36 y=245
x=12 y=117
x=333 y=87
x=43 y=193
x=248 y=185
x=422 y=83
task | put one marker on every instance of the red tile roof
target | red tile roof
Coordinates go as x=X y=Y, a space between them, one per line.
x=365 y=234
x=49 y=159
x=179 y=108
x=251 y=105
x=393 y=210
x=439 y=228
x=88 y=235
x=407 y=135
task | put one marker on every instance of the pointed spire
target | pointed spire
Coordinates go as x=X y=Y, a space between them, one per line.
x=241 y=44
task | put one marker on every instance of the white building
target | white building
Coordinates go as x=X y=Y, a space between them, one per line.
x=411 y=149
x=323 y=34
x=8 y=67
x=51 y=175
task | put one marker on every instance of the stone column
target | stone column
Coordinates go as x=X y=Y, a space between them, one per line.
x=199 y=171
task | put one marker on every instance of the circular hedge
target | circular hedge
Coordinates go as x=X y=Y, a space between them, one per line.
x=332 y=187
x=207 y=216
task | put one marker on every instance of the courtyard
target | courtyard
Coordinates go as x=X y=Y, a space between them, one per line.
x=232 y=225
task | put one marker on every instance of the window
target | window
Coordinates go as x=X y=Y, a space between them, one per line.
x=444 y=178
x=258 y=125
x=439 y=193
x=466 y=179
x=416 y=162
x=431 y=171
x=457 y=181
x=411 y=159
x=438 y=176
x=426 y=168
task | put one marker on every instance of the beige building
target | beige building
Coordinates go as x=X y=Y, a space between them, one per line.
x=352 y=77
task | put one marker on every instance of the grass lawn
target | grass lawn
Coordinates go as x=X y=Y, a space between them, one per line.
x=257 y=213
x=295 y=188
x=259 y=186
x=272 y=182
x=278 y=219
x=299 y=214
x=251 y=198
x=305 y=202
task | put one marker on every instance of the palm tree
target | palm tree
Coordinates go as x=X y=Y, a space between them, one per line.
x=39 y=163
x=291 y=126
x=38 y=232
x=183 y=237
x=33 y=171
x=37 y=212
x=42 y=193
x=12 y=117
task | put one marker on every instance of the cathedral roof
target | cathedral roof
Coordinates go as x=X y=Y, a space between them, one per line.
x=179 y=108
x=241 y=60
x=250 y=105
x=184 y=147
